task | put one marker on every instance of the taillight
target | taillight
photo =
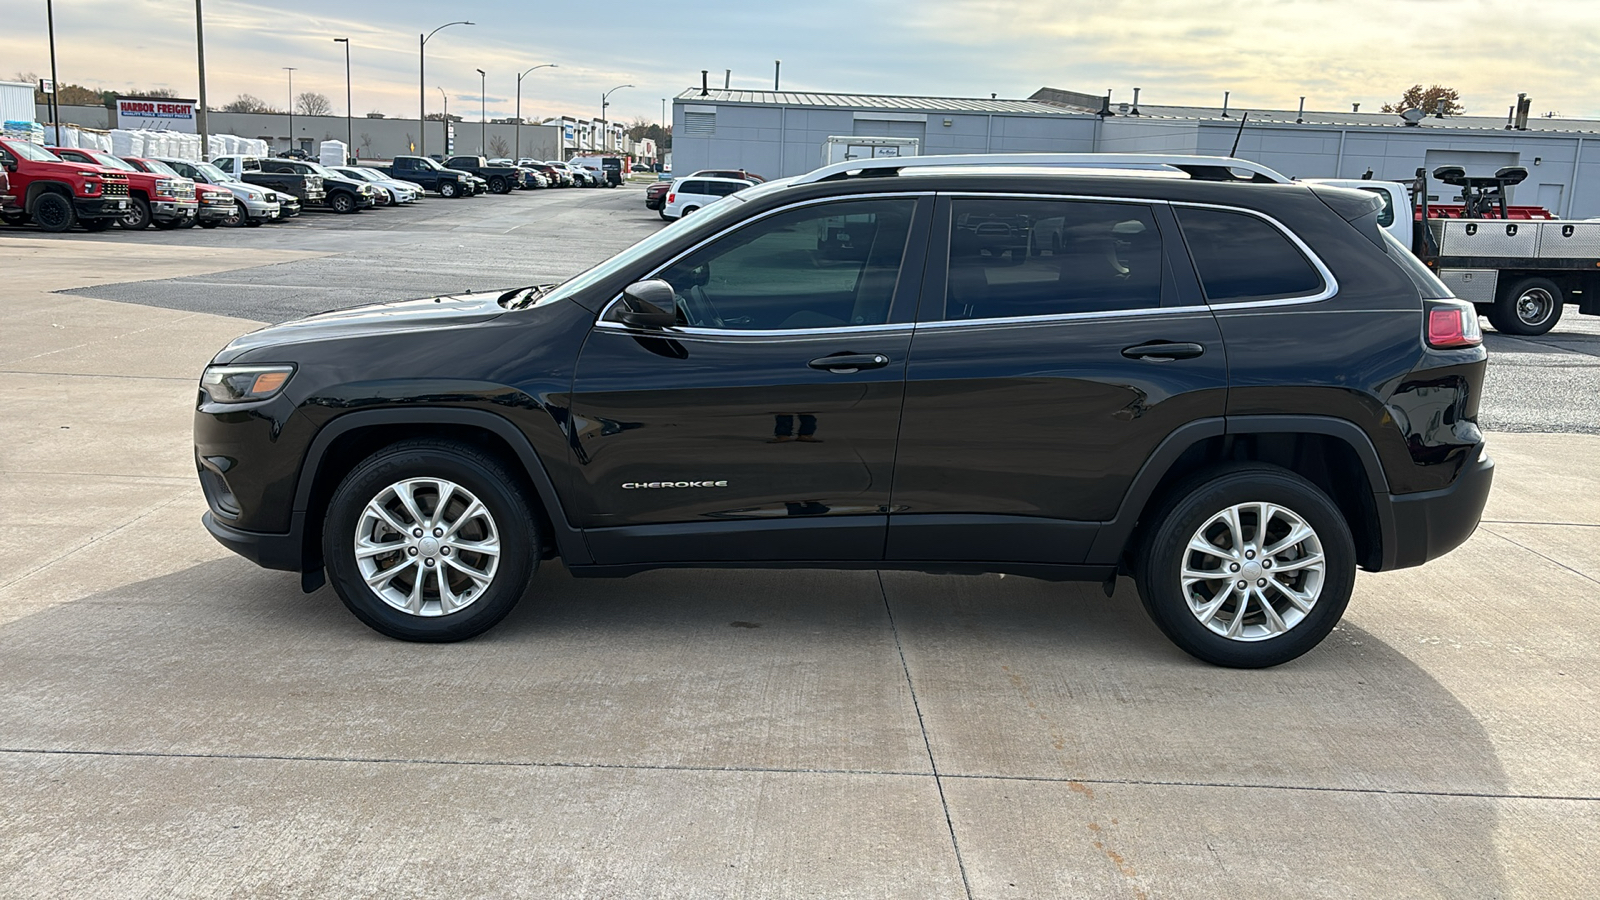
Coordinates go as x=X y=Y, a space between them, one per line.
x=671 y=197
x=1452 y=324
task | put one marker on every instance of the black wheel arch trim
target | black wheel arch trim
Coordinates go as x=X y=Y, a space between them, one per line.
x=1115 y=534
x=569 y=541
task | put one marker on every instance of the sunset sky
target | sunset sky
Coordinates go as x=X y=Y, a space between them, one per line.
x=1267 y=52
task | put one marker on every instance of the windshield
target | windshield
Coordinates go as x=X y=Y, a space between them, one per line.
x=212 y=173
x=320 y=169
x=357 y=174
x=33 y=152
x=426 y=163
x=109 y=161
x=708 y=215
x=158 y=167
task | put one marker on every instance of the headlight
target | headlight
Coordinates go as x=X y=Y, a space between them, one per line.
x=243 y=384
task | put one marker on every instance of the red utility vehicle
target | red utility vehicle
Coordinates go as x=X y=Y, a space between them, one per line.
x=58 y=194
x=216 y=204
x=167 y=201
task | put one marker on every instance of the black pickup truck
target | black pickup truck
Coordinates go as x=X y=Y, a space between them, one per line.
x=345 y=195
x=432 y=176
x=308 y=188
x=502 y=179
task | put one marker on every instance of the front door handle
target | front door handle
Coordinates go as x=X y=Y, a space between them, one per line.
x=1163 y=351
x=846 y=363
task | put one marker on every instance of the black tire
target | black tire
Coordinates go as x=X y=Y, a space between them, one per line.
x=449 y=190
x=54 y=213
x=252 y=222
x=1164 y=550
x=97 y=224
x=663 y=214
x=137 y=217
x=209 y=223
x=471 y=469
x=342 y=203
x=1530 y=306
x=498 y=185
x=170 y=224
x=686 y=212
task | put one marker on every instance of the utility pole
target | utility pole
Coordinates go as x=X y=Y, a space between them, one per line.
x=483 y=115
x=605 y=133
x=55 y=83
x=517 y=153
x=447 y=147
x=200 y=114
x=422 y=89
x=349 y=126
x=290 y=70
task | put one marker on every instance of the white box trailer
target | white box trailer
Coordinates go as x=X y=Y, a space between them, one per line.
x=842 y=148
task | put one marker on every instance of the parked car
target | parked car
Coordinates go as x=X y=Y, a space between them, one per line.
x=726 y=173
x=557 y=176
x=56 y=194
x=344 y=194
x=689 y=194
x=307 y=188
x=722 y=394
x=288 y=206
x=256 y=204
x=6 y=197
x=447 y=183
x=389 y=191
x=655 y=197
x=161 y=200
x=498 y=179
x=215 y=204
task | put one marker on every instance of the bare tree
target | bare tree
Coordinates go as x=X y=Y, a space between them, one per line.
x=366 y=143
x=1415 y=97
x=249 y=103
x=498 y=146
x=312 y=103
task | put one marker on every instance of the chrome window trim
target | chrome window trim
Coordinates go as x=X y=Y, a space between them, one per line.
x=744 y=336
x=1330 y=285
x=1065 y=317
x=1031 y=195
x=798 y=204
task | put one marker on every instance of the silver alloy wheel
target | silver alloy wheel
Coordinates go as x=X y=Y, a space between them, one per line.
x=427 y=547
x=1253 y=571
x=1534 y=306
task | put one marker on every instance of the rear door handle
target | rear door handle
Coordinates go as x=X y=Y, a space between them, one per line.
x=1162 y=351
x=846 y=363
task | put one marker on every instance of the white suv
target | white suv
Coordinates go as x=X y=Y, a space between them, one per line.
x=689 y=194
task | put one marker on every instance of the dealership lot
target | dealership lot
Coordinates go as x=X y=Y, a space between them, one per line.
x=174 y=720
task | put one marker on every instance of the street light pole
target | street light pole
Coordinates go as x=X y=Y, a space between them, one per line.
x=422 y=90
x=200 y=47
x=483 y=114
x=605 y=131
x=517 y=153
x=290 y=70
x=349 y=127
x=55 y=85
x=447 y=147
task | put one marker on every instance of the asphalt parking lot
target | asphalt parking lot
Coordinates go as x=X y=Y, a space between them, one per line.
x=177 y=722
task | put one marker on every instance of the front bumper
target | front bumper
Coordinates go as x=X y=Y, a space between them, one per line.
x=101 y=207
x=285 y=552
x=174 y=210
x=215 y=212
x=1429 y=524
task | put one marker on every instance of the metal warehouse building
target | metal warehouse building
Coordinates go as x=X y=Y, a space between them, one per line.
x=778 y=133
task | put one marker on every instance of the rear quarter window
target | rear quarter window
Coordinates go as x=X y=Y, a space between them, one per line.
x=1240 y=257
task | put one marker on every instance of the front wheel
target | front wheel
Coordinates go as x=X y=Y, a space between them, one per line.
x=1530 y=307
x=499 y=186
x=448 y=190
x=430 y=540
x=1246 y=566
x=54 y=213
x=137 y=217
x=342 y=203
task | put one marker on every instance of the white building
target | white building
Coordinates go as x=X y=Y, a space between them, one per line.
x=785 y=133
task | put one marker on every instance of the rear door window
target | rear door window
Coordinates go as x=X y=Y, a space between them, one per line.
x=1241 y=257
x=1012 y=258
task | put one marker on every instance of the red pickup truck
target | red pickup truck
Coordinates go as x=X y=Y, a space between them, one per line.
x=163 y=200
x=58 y=194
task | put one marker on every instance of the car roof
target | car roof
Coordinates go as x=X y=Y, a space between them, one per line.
x=717 y=178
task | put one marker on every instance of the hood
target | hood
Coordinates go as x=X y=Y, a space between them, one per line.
x=379 y=318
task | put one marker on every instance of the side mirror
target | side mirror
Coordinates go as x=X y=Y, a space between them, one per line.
x=649 y=304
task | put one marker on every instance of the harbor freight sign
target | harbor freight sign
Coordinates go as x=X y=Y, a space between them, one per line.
x=155 y=114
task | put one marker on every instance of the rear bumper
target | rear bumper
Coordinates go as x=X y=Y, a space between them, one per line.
x=270 y=551
x=1429 y=524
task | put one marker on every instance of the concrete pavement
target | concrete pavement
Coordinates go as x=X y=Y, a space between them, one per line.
x=176 y=722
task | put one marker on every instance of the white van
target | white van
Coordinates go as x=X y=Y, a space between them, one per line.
x=689 y=194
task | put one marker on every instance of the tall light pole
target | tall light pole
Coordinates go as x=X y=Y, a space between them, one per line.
x=290 y=70
x=55 y=85
x=200 y=114
x=447 y=147
x=349 y=127
x=605 y=132
x=422 y=90
x=661 y=139
x=517 y=154
x=483 y=114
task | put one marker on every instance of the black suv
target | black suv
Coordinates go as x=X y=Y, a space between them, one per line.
x=1235 y=391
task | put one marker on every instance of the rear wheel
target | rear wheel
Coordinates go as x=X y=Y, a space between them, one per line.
x=1531 y=306
x=686 y=212
x=1246 y=566
x=54 y=213
x=430 y=540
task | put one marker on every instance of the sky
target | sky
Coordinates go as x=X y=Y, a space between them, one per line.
x=1268 y=53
